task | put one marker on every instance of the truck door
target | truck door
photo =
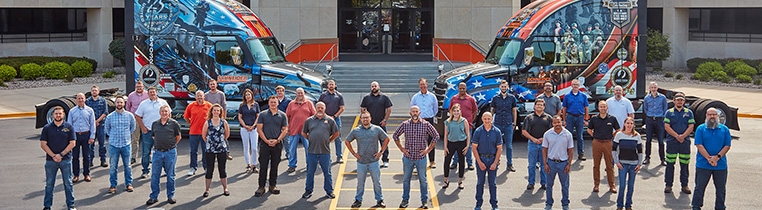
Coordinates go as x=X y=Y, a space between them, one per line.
x=234 y=67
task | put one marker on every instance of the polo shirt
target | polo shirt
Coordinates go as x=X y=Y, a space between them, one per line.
x=655 y=106
x=99 y=106
x=149 y=111
x=119 y=128
x=165 y=135
x=416 y=137
x=503 y=109
x=216 y=97
x=427 y=102
x=133 y=101
x=678 y=120
x=319 y=132
x=536 y=125
x=713 y=140
x=467 y=107
x=552 y=103
x=620 y=108
x=249 y=115
x=575 y=103
x=558 y=144
x=368 y=141
x=333 y=102
x=197 y=113
x=82 y=119
x=603 y=128
x=57 y=138
x=376 y=106
x=486 y=141
x=283 y=104
x=272 y=123
x=297 y=113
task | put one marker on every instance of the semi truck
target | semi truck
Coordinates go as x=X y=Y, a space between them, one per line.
x=178 y=46
x=598 y=42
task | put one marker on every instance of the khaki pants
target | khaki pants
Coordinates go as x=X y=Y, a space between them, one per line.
x=136 y=142
x=603 y=148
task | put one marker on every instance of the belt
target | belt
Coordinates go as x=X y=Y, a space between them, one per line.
x=487 y=155
x=655 y=118
x=603 y=140
x=557 y=161
x=164 y=150
x=82 y=133
x=575 y=115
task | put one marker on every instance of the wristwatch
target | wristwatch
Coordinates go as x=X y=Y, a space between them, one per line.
x=719 y=156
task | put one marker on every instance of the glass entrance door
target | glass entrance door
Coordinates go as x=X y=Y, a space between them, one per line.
x=360 y=30
x=412 y=30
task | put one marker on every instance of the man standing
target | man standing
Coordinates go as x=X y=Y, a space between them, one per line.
x=195 y=114
x=469 y=111
x=272 y=127
x=416 y=133
x=133 y=101
x=166 y=134
x=368 y=137
x=535 y=126
x=557 y=145
x=553 y=104
x=334 y=106
x=619 y=106
x=429 y=105
x=98 y=104
x=678 y=123
x=147 y=113
x=576 y=113
x=320 y=130
x=602 y=128
x=119 y=126
x=655 y=105
x=82 y=118
x=504 y=107
x=487 y=143
x=712 y=143
x=58 y=140
x=215 y=96
x=298 y=111
x=380 y=107
x=283 y=102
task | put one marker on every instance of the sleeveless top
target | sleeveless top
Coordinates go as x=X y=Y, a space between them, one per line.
x=215 y=138
x=456 y=130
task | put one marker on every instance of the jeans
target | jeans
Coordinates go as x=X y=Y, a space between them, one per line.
x=136 y=136
x=455 y=148
x=51 y=170
x=535 y=158
x=577 y=123
x=375 y=176
x=269 y=157
x=557 y=169
x=293 y=143
x=507 y=142
x=720 y=178
x=385 y=156
x=407 y=169
x=81 y=147
x=222 y=159
x=195 y=140
x=677 y=152
x=250 y=140
x=114 y=154
x=325 y=164
x=602 y=149
x=146 y=147
x=163 y=160
x=490 y=178
x=338 y=142
x=100 y=137
x=655 y=128
x=626 y=181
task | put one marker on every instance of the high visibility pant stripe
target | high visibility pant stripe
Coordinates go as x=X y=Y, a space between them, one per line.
x=671 y=158
x=685 y=158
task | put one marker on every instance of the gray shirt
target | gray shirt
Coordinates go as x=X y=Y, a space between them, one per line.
x=165 y=135
x=368 y=141
x=319 y=132
x=272 y=123
x=552 y=103
x=216 y=97
x=558 y=144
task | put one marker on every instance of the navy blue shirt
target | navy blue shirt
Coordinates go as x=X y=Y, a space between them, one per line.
x=678 y=120
x=503 y=109
x=58 y=138
x=249 y=115
x=575 y=104
x=333 y=102
x=487 y=141
x=283 y=104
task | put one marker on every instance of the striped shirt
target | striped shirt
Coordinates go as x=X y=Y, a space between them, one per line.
x=416 y=137
x=82 y=119
x=627 y=149
x=119 y=128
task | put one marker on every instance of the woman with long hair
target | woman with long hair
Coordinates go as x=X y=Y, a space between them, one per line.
x=215 y=133
x=457 y=136
x=247 y=117
x=628 y=155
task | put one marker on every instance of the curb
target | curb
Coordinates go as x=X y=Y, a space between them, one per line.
x=17 y=115
x=745 y=115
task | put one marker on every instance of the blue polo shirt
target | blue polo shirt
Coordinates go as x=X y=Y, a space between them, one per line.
x=487 y=141
x=58 y=138
x=503 y=109
x=713 y=140
x=575 y=103
x=678 y=120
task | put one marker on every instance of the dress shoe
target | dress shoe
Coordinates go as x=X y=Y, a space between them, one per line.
x=291 y=170
x=582 y=157
x=259 y=192
x=75 y=179
x=274 y=190
x=171 y=201
x=104 y=164
x=88 y=179
x=542 y=187
x=403 y=204
x=668 y=189
x=129 y=188
x=151 y=201
x=686 y=190
x=356 y=204
x=530 y=187
x=307 y=194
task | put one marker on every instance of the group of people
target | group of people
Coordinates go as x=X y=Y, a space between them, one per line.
x=552 y=130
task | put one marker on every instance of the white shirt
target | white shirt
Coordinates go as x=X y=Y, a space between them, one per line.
x=620 y=109
x=149 y=111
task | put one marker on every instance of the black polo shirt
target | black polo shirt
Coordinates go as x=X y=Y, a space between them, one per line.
x=376 y=106
x=537 y=125
x=272 y=123
x=603 y=128
x=57 y=138
x=165 y=135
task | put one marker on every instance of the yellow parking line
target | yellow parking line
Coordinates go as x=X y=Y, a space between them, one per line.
x=382 y=189
x=382 y=173
x=342 y=167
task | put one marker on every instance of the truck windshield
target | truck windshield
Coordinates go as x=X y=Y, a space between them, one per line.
x=265 y=51
x=504 y=52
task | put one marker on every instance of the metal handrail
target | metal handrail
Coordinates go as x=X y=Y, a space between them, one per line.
x=439 y=51
x=333 y=56
x=293 y=46
x=477 y=47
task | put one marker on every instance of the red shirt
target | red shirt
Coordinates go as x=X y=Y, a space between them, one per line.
x=196 y=113
x=467 y=107
x=298 y=113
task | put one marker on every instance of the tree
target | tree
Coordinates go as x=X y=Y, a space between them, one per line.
x=116 y=48
x=658 y=46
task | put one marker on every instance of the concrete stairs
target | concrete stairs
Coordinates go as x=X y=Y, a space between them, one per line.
x=393 y=77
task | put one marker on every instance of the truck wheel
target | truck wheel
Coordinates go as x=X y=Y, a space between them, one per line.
x=65 y=102
x=722 y=111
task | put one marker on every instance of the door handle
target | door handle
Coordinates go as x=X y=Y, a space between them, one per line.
x=411 y=33
x=358 y=33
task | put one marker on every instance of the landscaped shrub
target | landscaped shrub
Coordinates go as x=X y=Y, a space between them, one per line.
x=759 y=68
x=743 y=78
x=116 y=48
x=745 y=70
x=679 y=76
x=31 y=71
x=108 y=74
x=82 y=68
x=705 y=70
x=7 y=73
x=17 y=62
x=721 y=76
x=757 y=82
x=668 y=74
x=56 y=70
x=731 y=67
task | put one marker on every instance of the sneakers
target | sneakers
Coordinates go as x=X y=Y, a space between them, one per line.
x=668 y=189
x=403 y=204
x=379 y=204
x=340 y=160
x=104 y=164
x=259 y=192
x=581 y=157
x=132 y=161
x=530 y=187
x=356 y=204
x=686 y=190
x=274 y=190
x=646 y=161
x=307 y=194
x=330 y=195
x=663 y=163
x=423 y=206
x=510 y=167
x=471 y=167
x=385 y=165
x=542 y=187
x=548 y=207
x=171 y=201
x=291 y=170
x=112 y=190
x=144 y=175
x=192 y=172
x=432 y=165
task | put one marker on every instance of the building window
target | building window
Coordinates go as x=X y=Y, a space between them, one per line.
x=42 y=25
x=725 y=25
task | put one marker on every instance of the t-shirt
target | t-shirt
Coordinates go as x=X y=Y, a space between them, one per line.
x=713 y=140
x=297 y=113
x=216 y=97
x=503 y=109
x=620 y=108
x=558 y=144
x=603 y=128
x=627 y=149
x=368 y=141
x=332 y=102
x=575 y=103
x=487 y=140
x=376 y=106
x=536 y=125
x=678 y=120
x=552 y=103
x=249 y=115
x=456 y=130
x=58 y=137
x=197 y=113
x=149 y=111
x=319 y=132
x=165 y=135
x=272 y=123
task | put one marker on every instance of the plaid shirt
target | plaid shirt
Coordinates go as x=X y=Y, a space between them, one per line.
x=119 y=127
x=416 y=137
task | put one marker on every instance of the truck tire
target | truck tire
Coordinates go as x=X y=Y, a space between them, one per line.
x=65 y=102
x=722 y=110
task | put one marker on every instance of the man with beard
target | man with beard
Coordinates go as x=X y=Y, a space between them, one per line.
x=713 y=143
x=298 y=111
x=334 y=106
x=166 y=134
x=535 y=126
x=133 y=101
x=320 y=130
x=119 y=125
x=678 y=123
x=82 y=118
x=557 y=145
x=504 y=107
x=368 y=137
x=380 y=107
x=417 y=132
x=58 y=140
x=553 y=104
x=469 y=111
x=98 y=104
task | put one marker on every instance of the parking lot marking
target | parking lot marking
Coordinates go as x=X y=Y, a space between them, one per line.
x=340 y=177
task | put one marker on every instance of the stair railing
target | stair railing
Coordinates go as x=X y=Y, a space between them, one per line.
x=438 y=52
x=334 y=56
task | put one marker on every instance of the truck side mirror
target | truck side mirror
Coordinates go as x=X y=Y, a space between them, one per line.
x=528 y=56
x=283 y=47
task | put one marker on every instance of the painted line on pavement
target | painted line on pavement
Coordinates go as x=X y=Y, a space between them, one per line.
x=17 y=115
x=342 y=168
x=746 y=115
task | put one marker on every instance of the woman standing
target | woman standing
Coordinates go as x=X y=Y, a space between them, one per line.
x=457 y=138
x=247 y=117
x=628 y=154
x=215 y=134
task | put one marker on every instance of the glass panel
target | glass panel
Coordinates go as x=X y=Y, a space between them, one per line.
x=359 y=3
x=265 y=51
x=369 y=34
x=505 y=52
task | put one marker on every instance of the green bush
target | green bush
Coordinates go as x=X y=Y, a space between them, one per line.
x=731 y=67
x=17 y=62
x=2 y=84
x=7 y=73
x=745 y=70
x=57 y=70
x=108 y=74
x=658 y=45
x=31 y=71
x=669 y=74
x=116 y=48
x=82 y=68
x=757 y=82
x=705 y=70
x=693 y=63
x=721 y=76
x=679 y=76
x=759 y=68
x=743 y=78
